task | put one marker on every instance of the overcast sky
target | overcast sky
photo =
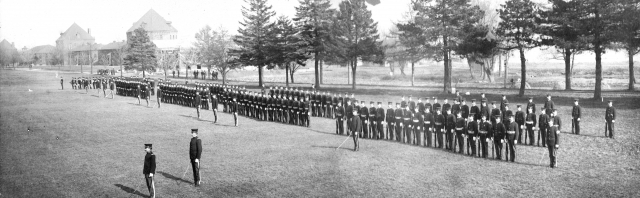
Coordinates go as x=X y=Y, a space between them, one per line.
x=39 y=22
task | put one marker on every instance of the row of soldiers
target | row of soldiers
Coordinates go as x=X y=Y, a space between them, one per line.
x=100 y=83
x=414 y=123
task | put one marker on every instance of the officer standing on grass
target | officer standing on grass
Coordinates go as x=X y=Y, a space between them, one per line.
x=439 y=125
x=62 y=82
x=610 y=119
x=214 y=107
x=197 y=103
x=380 y=121
x=355 y=129
x=576 y=114
x=391 y=122
x=553 y=141
x=339 y=119
x=399 y=114
x=513 y=131
x=485 y=133
x=530 y=124
x=234 y=110
x=499 y=132
x=195 y=152
x=349 y=111
x=149 y=170
x=549 y=105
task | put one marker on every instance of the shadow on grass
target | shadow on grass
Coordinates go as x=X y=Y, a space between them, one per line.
x=177 y=179
x=130 y=190
x=195 y=118
x=332 y=147
x=593 y=136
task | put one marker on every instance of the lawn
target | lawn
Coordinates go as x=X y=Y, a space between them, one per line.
x=82 y=145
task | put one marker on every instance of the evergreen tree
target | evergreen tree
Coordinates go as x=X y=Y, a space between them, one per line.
x=287 y=47
x=627 y=34
x=559 y=27
x=443 y=21
x=254 y=36
x=313 y=20
x=141 y=52
x=517 y=29
x=415 y=44
x=597 y=26
x=356 y=35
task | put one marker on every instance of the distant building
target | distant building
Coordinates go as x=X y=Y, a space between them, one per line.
x=44 y=53
x=72 y=39
x=160 y=31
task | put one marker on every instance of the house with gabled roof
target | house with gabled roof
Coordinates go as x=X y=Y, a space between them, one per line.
x=74 y=37
x=160 y=31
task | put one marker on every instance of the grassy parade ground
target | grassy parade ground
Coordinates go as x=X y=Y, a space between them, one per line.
x=68 y=143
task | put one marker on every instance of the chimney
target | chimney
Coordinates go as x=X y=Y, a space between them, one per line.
x=89 y=31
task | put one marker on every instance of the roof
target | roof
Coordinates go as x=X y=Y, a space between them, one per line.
x=75 y=32
x=153 y=22
x=113 y=46
x=43 y=49
x=4 y=44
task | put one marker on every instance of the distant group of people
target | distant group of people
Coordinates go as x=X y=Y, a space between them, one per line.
x=449 y=126
x=99 y=83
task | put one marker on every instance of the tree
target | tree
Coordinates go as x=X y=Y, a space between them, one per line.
x=597 y=24
x=254 y=35
x=141 y=52
x=443 y=21
x=188 y=57
x=118 y=55
x=517 y=29
x=167 y=61
x=287 y=47
x=313 y=20
x=416 y=45
x=213 y=48
x=627 y=33
x=559 y=27
x=57 y=57
x=358 y=33
x=479 y=48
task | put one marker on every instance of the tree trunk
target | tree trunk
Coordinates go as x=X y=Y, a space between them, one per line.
x=447 y=73
x=317 y=70
x=353 y=71
x=143 y=74
x=597 y=94
x=632 y=77
x=260 y=76
x=412 y=71
x=523 y=73
x=471 y=69
x=224 y=77
x=349 y=65
x=321 y=72
x=286 y=73
x=567 y=69
x=292 y=71
x=500 y=65
x=120 y=69
x=391 y=67
x=506 y=69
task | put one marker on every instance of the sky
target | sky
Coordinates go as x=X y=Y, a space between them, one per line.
x=32 y=23
x=39 y=22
